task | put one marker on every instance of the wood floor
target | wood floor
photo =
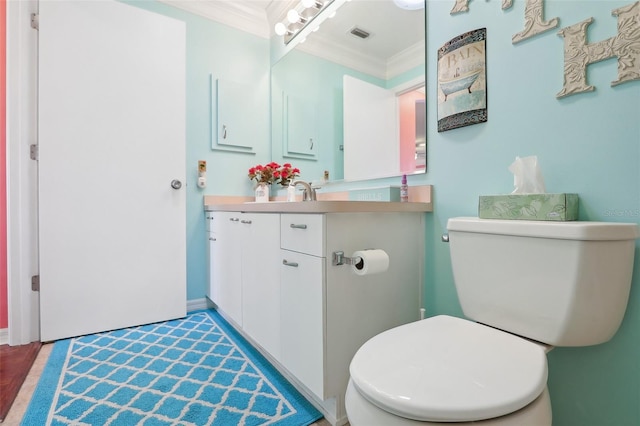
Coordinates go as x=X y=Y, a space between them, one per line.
x=15 y=363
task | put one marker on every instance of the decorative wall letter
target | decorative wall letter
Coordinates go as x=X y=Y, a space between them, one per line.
x=534 y=22
x=578 y=54
x=460 y=6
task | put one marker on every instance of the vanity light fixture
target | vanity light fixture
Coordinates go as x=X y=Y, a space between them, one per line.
x=299 y=17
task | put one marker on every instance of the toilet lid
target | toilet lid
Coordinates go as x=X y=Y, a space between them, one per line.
x=446 y=369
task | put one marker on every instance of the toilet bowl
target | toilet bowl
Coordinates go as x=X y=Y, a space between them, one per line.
x=362 y=412
x=524 y=286
x=445 y=369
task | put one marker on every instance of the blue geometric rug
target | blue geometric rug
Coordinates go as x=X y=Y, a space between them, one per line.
x=192 y=371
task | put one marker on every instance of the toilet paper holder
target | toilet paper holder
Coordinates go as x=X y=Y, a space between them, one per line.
x=338 y=258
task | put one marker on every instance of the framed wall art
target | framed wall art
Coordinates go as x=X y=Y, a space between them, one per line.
x=462 y=81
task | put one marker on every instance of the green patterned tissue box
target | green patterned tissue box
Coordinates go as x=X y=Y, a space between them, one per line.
x=559 y=207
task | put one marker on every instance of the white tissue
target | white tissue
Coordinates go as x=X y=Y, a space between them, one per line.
x=372 y=262
x=527 y=178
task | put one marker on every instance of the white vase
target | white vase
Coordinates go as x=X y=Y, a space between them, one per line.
x=262 y=193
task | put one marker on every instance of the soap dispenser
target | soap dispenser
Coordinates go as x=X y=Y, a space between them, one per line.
x=404 y=190
x=291 y=192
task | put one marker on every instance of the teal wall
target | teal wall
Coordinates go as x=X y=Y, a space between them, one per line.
x=587 y=143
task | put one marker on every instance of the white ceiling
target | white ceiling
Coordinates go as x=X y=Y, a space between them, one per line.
x=397 y=36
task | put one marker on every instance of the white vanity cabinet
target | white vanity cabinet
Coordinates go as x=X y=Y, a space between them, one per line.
x=305 y=313
x=302 y=282
x=245 y=274
x=261 y=279
x=225 y=269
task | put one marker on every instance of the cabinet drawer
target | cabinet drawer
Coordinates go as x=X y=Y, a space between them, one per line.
x=303 y=233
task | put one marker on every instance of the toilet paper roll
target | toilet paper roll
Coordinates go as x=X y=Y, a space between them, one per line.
x=371 y=262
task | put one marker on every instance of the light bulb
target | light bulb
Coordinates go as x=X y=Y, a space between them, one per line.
x=281 y=29
x=292 y=16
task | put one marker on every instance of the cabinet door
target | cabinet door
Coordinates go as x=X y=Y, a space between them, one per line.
x=302 y=318
x=261 y=279
x=212 y=291
x=226 y=278
x=301 y=116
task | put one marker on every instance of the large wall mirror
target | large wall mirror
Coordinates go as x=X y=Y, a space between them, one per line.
x=348 y=101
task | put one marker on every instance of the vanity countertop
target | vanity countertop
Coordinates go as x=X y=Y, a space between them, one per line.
x=322 y=206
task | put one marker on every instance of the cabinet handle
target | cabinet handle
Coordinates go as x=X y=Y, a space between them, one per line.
x=234 y=219
x=212 y=239
x=296 y=226
x=245 y=221
x=285 y=262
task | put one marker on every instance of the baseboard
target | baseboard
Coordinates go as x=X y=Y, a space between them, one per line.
x=4 y=336
x=198 y=304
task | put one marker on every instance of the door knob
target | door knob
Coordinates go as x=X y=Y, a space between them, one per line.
x=176 y=184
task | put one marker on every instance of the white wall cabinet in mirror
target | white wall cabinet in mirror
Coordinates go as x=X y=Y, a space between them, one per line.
x=305 y=91
x=232 y=107
x=300 y=128
x=375 y=41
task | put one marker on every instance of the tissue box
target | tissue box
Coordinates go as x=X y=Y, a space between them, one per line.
x=385 y=193
x=558 y=207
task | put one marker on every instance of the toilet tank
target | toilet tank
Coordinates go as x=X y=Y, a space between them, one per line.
x=561 y=283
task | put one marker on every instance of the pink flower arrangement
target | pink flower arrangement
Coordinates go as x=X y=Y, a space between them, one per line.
x=274 y=173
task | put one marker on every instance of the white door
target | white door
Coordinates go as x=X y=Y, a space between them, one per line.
x=111 y=141
x=371 y=141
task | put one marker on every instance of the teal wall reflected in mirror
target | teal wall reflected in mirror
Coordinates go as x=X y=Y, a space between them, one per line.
x=307 y=110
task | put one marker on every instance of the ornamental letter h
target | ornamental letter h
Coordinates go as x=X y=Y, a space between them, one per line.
x=578 y=54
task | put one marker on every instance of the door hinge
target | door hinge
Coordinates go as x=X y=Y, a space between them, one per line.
x=35 y=283
x=33 y=152
x=35 y=21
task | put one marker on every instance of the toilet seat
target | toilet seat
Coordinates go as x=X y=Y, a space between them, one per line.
x=447 y=369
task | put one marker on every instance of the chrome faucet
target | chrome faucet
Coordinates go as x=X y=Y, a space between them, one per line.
x=308 y=193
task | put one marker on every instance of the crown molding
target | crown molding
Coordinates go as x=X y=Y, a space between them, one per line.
x=246 y=16
x=355 y=59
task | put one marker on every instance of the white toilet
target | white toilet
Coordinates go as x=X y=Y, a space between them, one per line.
x=525 y=286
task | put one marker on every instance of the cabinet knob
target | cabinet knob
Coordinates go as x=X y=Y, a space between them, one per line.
x=234 y=219
x=245 y=221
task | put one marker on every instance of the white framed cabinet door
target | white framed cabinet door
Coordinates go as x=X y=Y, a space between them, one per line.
x=226 y=264
x=302 y=318
x=261 y=279
x=111 y=124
